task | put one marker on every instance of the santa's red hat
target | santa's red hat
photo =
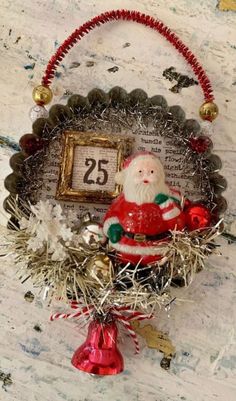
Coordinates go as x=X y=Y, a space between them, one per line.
x=135 y=156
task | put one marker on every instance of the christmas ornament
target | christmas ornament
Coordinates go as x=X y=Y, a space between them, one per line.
x=42 y=95
x=38 y=111
x=99 y=354
x=31 y=143
x=198 y=217
x=140 y=220
x=200 y=144
x=208 y=111
x=117 y=267
x=90 y=232
x=100 y=268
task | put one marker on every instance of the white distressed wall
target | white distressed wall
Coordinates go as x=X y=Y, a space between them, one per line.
x=202 y=329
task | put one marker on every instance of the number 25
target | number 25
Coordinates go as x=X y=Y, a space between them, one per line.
x=91 y=163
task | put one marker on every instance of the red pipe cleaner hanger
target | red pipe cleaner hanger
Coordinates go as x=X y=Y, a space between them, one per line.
x=43 y=95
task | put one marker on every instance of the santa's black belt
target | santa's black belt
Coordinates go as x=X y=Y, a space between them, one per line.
x=143 y=237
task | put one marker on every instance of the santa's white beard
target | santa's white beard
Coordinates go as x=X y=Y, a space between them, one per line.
x=143 y=193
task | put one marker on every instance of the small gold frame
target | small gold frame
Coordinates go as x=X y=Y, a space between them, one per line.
x=70 y=140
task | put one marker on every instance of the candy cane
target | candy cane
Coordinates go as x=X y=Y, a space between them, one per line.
x=84 y=312
x=128 y=327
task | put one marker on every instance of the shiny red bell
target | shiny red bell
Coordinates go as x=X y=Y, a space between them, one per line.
x=197 y=217
x=99 y=354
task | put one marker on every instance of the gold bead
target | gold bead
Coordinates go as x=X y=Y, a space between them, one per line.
x=208 y=111
x=42 y=95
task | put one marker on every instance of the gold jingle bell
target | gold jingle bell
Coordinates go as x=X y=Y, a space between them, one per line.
x=42 y=95
x=208 y=111
x=100 y=269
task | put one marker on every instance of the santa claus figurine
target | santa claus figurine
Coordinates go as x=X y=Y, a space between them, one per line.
x=139 y=221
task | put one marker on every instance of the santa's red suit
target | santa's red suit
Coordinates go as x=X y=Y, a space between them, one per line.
x=145 y=227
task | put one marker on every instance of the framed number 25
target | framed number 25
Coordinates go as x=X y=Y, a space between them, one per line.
x=88 y=166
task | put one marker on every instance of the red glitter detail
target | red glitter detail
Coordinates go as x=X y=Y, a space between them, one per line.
x=200 y=144
x=140 y=18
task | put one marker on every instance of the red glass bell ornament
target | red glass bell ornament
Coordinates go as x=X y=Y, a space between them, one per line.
x=99 y=354
x=197 y=217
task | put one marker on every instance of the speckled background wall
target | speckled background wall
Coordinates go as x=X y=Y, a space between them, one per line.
x=129 y=55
